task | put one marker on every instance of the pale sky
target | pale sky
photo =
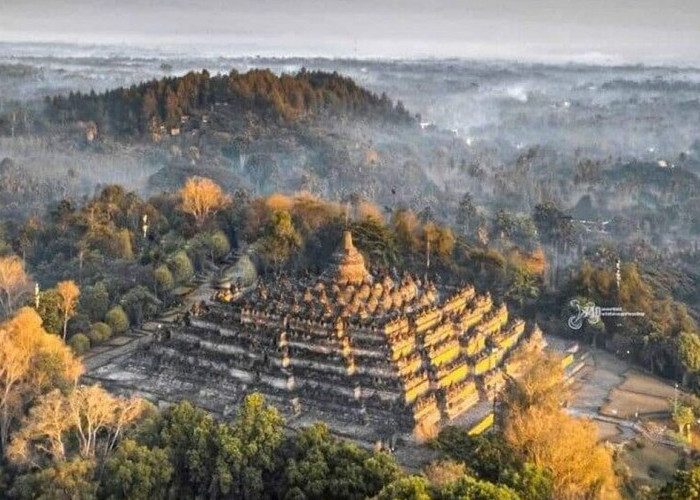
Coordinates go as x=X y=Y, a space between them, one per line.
x=596 y=30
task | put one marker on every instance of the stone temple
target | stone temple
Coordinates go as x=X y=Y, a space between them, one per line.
x=371 y=355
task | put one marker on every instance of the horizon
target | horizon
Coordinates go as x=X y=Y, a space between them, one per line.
x=639 y=32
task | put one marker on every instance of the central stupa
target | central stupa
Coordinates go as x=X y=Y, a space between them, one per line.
x=349 y=263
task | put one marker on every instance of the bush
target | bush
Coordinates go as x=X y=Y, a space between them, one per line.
x=218 y=244
x=104 y=330
x=117 y=319
x=78 y=324
x=99 y=332
x=181 y=267
x=95 y=301
x=164 y=278
x=79 y=343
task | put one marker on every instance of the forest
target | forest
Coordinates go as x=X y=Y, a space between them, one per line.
x=112 y=261
x=169 y=102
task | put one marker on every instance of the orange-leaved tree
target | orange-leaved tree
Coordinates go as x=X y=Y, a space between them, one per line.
x=88 y=418
x=31 y=362
x=69 y=293
x=201 y=198
x=14 y=282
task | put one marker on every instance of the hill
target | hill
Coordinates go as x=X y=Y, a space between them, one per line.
x=164 y=105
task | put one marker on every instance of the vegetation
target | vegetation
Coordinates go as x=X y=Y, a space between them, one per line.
x=143 y=108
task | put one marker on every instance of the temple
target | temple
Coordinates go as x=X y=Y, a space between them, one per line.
x=372 y=355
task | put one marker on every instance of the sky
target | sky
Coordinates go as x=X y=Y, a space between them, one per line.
x=652 y=31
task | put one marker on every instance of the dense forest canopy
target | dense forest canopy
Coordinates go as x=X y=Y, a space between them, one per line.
x=146 y=107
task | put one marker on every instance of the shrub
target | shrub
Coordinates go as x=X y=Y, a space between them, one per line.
x=104 y=330
x=99 y=332
x=164 y=278
x=117 y=319
x=78 y=324
x=95 y=301
x=218 y=244
x=181 y=267
x=79 y=343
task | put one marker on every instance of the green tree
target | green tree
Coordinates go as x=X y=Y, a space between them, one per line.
x=689 y=352
x=50 y=311
x=136 y=471
x=181 y=267
x=95 y=301
x=685 y=485
x=280 y=239
x=684 y=417
x=259 y=430
x=406 y=488
x=117 y=319
x=468 y=488
x=164 y=278
x=319 y=467
x=80 y=343
x=70 y=480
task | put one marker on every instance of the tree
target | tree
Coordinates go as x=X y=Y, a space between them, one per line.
x=72 y=480
x=205 y=456
x=280 y=239
x=406 y=488
x=320 y=466
x=684 y=417
x=443 y=472
x=88 y=416
x=95 y=301
x=14 y=282
x=469 y=488
x=466 y=213
x=117 y=319
x=181 y=266
x=80 y=343
x=684 y=486
x=259 y=429
x=541 y=384
x=579 y=465
x=69 y=293
x=164 y=278
x=31 y=360
x=441 y=239
x=689 y=352
x=202 y=198
x=136 y=471
x=50 y=311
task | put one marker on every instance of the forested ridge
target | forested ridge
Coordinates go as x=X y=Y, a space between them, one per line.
x=146 y=107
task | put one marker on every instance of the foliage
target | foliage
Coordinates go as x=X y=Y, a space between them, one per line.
x=69 y=293
x=95 y=301
x=181 y=267
x=684 y=486
x=280 y=239
x=406 y=488
x=136 y=471
x=31 y=361
x=164 y=278
x=99 y=332
x=142 y=109
x=202 y=198
x=14 y=283
x=50 y=311
x=80 y=343
x=320 y=466
x=69 y=480
x=117 y=319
